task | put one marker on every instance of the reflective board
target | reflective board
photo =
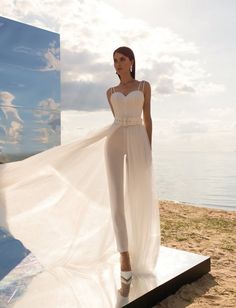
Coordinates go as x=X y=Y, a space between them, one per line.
x=30 y=120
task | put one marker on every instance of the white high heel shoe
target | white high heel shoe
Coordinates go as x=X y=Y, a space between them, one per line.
x=126 y=277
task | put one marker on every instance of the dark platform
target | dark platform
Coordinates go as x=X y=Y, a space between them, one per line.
x=175 y=268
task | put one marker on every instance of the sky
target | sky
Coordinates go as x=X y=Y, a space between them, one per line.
x=29 y=89
x=184 y=48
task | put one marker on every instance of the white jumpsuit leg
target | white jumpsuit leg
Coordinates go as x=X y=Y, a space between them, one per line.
x=115 y=150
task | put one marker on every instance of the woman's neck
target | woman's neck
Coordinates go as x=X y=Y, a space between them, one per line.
x=126 y=80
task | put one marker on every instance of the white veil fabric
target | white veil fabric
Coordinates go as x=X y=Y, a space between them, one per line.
x=57 y=204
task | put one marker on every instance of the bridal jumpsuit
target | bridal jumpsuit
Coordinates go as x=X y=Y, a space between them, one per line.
x=128 y=109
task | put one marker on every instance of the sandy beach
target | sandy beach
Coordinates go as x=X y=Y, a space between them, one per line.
x=209 y=232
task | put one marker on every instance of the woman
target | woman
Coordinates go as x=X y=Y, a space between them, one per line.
x=59 y=203
x=127 y=101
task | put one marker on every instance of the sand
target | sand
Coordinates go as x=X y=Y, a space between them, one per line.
x=209 y=232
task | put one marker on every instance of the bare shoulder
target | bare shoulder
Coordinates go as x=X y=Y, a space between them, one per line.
x=108 y=92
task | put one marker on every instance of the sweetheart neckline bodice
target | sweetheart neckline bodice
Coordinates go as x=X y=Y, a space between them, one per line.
x=126 y=106
x=128 y=93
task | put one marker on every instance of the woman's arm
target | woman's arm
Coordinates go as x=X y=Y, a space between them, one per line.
x=147 y=111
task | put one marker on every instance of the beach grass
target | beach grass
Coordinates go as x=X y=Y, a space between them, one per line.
x=209 y=232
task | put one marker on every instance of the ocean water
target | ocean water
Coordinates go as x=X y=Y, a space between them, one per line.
x=202 y=179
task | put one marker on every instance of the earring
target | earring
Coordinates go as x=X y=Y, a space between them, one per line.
x=131 y=68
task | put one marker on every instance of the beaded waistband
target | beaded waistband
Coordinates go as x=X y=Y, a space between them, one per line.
x=128 y=121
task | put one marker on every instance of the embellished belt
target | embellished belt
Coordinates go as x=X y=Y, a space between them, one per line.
x=128 y=121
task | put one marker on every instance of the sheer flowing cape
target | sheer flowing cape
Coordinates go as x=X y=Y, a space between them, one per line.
x=57 y=204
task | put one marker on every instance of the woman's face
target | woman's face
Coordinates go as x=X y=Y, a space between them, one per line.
x=121 y=63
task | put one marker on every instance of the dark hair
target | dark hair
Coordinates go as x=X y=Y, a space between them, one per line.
x=126 y=51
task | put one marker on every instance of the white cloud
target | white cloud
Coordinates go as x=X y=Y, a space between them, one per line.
x=49 y=104
x=91 y=30
x=222 y=113
x=49 y=56
x=14 y=132
x=12 y=125
x=48 y=117
x=174 y=64
x=8 y=108
x=43 y=135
